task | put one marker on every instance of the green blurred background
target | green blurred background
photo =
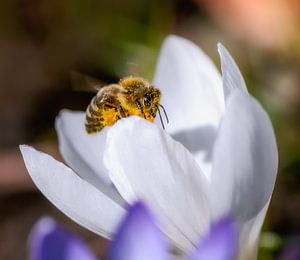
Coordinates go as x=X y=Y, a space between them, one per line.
x=41 y=41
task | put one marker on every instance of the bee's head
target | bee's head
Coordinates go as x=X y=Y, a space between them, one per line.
x=151 y=97
x=150 y=101
x=141 y=93
x=151 y=105
x=140 y=90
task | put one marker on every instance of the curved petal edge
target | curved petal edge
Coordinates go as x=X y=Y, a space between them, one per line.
x=75 y=197
x=245 y=160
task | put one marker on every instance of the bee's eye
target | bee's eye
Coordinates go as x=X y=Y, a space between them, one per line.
x=147 y=100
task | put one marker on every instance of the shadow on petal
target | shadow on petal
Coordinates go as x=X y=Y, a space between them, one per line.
x=198 y=139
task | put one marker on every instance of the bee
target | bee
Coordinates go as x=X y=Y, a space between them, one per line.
x=131 y=96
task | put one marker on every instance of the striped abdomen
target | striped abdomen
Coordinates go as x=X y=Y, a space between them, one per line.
x=102 y=110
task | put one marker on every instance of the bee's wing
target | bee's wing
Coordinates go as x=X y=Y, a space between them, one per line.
x=82 y=82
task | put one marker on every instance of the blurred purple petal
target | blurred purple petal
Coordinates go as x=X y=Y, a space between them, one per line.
x=48 y=241
x=220 y=244
x=138 y=237
x=291 y=251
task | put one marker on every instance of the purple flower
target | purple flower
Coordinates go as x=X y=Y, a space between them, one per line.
x=220 y=244
x=49 y=241
x=137 y=238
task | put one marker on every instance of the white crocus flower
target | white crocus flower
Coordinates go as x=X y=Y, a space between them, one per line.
x=217 y=156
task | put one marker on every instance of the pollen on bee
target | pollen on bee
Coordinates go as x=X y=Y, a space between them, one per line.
x=133 y=82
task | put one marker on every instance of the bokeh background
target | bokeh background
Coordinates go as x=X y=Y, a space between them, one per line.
x=41 y=41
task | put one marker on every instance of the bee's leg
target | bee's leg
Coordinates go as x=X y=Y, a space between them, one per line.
x=93 y=128
x=122 y=112
x=138 y=104
x=107 y=106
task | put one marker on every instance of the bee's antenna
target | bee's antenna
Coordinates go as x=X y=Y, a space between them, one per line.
x=164 y=113
x=161 y=121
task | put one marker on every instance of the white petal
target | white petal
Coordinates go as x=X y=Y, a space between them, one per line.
x=232 y=77
x=145 y=163
x=82 y=152
x=75 y=197
x=245 y=159
x=192 y=94
x=249 y=234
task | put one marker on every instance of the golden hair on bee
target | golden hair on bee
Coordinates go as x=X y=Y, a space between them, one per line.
x=131 y=96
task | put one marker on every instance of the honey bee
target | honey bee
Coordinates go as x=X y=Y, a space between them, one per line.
x=131 y=96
